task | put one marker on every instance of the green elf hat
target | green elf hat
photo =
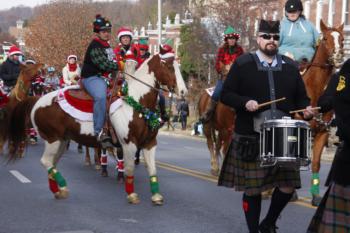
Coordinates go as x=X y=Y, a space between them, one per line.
x=231 y=32
x=143 y=43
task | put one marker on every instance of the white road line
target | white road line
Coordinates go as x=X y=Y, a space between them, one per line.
x=20 y=177
x=193 y=148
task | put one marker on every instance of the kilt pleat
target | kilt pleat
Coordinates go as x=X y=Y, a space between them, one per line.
x=333 y=215
x=253 y=179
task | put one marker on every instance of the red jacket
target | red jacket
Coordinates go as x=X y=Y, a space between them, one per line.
x=225 y=58
x=120 y=52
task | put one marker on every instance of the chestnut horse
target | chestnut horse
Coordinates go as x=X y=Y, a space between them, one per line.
x=222 y=122
x=130 y=118
x=19 y=93
x=329 y=55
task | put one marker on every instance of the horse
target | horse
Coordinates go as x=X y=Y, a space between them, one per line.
x=133 y=118
x=19 y=93
x=222 y=122
x=328 y=56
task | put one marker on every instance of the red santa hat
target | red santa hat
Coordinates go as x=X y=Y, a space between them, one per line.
x=72 y=56
x=14 y=50
x=123 y=31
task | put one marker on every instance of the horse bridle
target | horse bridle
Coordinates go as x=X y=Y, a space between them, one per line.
x=146 y=84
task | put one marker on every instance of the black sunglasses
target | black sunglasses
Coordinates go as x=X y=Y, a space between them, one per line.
x=268 y=37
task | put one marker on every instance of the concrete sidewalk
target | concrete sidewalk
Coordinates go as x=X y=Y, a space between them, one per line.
x=327 y=155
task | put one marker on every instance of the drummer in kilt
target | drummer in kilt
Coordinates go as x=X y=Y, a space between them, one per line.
x=333 y=213
x=255 y=78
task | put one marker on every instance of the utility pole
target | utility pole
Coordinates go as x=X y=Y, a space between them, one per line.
x=159 y=23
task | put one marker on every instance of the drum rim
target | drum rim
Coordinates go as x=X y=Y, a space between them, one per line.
x=288 y=123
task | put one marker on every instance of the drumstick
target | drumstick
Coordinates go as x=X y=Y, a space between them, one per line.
x=270 y=102
x=302 y=110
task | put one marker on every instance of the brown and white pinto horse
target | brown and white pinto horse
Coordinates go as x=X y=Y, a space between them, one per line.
x=56 y=127
x=19 y=93
x=222 y=122
x=328 y=56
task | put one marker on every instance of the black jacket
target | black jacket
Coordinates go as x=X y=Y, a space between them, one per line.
x=9 y=72
x=337 y=97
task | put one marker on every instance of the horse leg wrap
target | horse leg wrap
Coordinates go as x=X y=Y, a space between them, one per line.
x=315 y=186
x=154 y=184
x=129 y=184
x=56 y=175
x=53 y=185
x=120 y=165
x=103 y=159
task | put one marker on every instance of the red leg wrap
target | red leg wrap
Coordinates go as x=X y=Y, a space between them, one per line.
x=245 y=206
x=53 y=186
x=103 y=159
x=120 y=165
x=129 y=184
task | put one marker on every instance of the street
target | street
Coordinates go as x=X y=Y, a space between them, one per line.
x=193 y=201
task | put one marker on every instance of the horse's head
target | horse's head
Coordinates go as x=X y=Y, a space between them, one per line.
x=164 y=72
x=30 y=71
x=332 y=40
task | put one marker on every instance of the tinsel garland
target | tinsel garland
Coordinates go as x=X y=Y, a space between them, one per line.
x=152 y=118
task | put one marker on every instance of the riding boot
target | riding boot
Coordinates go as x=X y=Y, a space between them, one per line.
x=208 y=114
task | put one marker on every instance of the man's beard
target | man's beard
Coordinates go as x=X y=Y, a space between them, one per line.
x=269 y=52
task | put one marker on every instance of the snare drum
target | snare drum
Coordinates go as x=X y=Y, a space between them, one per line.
x=285 y=142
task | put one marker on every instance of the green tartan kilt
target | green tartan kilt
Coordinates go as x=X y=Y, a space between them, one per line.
x=333 y=213
x=253 y=179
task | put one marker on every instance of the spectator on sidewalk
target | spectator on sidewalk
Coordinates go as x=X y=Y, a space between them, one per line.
x=183 y=112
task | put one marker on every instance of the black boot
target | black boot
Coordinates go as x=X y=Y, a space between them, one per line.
x=266 y=228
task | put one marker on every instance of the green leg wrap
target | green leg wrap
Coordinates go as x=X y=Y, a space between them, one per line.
x=56 y=175
x=315 y=184
x=154 y=184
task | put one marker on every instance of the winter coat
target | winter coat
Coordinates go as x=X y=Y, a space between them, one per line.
x=9 y=72
x=298 y=39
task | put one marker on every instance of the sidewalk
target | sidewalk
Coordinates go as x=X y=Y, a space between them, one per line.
x=327 y=155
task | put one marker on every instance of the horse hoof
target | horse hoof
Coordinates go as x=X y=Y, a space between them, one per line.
x=104 y=174
x=98 y=167
x=214 y=172
x=62 y=194
x=157 y=199
x=137 y=161
x=316 y=199
x=133 y=198
x=87 y=163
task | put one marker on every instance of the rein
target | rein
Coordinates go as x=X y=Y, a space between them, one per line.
x=146 y=84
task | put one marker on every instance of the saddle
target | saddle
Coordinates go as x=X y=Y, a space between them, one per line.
x=81 y=95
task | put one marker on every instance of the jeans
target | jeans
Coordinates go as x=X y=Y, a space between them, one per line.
x=217 y=90
x=97 y=88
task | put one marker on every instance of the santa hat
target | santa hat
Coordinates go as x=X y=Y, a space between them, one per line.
x=123 y=31
x=230 y=32
x=72 y=56
x=143 y=44
x=14 y=50
x=166 y=49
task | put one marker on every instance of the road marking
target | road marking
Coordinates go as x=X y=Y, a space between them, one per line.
x=302 y=201
x=83 y=231
x=194 y=148
x=128 y=220
x=20 y=177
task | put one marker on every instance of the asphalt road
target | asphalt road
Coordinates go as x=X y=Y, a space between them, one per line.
x=193 y=202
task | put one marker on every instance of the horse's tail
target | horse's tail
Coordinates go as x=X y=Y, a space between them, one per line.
x=18 y=123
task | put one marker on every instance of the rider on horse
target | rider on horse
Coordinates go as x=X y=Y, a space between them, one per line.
x=99 y=61
x=9 y=70
x=298 y=37
x=125 y=45
x=71 y=71
x=143 y=48
x=226 y=56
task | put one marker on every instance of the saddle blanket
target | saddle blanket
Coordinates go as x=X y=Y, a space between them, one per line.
x=78 y=108
x=210 y=91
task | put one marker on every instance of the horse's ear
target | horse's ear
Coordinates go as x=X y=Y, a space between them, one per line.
x=22 y=66
x=323 y=26
x=341 y=27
